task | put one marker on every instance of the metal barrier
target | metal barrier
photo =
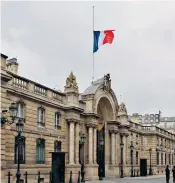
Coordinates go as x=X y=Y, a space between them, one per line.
x=39 y=177
x=70 y=179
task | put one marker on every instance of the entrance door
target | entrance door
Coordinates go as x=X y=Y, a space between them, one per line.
x=58 y=167
x=101 y=153
x=143 y=167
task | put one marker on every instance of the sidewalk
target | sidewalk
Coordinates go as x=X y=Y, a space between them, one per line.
x=147 y=177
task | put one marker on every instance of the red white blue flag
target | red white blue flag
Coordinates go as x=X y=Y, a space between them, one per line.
x=102 y=37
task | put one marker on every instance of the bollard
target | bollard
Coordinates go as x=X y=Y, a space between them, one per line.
x=38 y=177
x=137 y=172
x=70 y=181
x=50 y=178
x=9 y=177
x=134 y=172
x=78 y=181
x=25 y=177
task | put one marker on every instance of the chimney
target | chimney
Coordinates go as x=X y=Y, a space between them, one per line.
x=3 y=61
x=12 y=65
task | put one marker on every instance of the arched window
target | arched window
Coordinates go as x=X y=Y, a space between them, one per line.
x=41 y=116
x=40 y=151
x=57 y=146
x=57 y=120
x=19 y=142
x=21 y=109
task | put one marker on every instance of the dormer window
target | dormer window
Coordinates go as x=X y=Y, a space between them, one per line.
x=41 y=116
x=57 y=120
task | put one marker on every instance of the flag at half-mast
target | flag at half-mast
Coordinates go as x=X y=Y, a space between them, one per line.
x=102 y=37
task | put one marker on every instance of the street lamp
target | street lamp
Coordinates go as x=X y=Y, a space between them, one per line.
x=82 y=142
x=13 y=110
x=150 y=169
x=13 y=114
x=101 y=158
x=121 y=147
x=131 y=149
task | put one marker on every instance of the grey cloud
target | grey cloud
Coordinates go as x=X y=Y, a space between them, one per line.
x=56 y=37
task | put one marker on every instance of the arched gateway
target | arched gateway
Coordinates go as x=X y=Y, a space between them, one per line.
x=97 y=116
x=110 y=123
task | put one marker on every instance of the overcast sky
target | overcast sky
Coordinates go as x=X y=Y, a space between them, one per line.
x=50 y=39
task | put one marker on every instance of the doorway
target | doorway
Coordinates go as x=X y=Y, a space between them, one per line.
x=58 y=167
x=143 y=167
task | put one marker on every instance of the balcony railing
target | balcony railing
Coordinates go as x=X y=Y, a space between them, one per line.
x=39 y=90
x=20 y=83
x=56 y=96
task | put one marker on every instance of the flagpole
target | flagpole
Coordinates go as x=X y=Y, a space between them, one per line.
x=93 y=46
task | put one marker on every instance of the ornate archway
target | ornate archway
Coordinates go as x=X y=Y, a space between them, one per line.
x=106 y=113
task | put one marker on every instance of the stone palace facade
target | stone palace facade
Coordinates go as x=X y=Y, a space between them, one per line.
x=54 y=121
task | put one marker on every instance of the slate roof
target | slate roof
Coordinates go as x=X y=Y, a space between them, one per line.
x=93 y=88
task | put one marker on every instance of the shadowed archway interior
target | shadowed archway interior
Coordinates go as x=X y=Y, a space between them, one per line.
x=105 y=111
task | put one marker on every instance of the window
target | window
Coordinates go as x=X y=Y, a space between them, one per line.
x=57 y=146
x=137 y=157
x=40 y=151
x=21 y=142
x=57 y=120
x=165 y=159
x=161 y=158
x=157 y=158
x=41 y=116
x=172 y=159
x=157 y=141
x=20 y=106
x=169 y=159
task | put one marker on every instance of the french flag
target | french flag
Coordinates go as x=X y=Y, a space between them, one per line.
x=102 y=37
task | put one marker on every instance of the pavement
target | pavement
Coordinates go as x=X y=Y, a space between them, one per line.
x=148 y=179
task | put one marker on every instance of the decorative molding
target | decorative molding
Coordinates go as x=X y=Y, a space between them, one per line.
x=113 y=122
x=115 y=131
x=73 y=120
x=90 y=114
x=91 y=125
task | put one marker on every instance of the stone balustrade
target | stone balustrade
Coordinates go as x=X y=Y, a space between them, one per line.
x=25 y=84
x=17 y=82
x=40 y=90
x=158 y=130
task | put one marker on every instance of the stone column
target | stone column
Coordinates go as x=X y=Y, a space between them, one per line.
x=90 y=145
x=95 y=145
x=77 y=143
x=112 y=147
x=71 y=143
x=116 y=148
